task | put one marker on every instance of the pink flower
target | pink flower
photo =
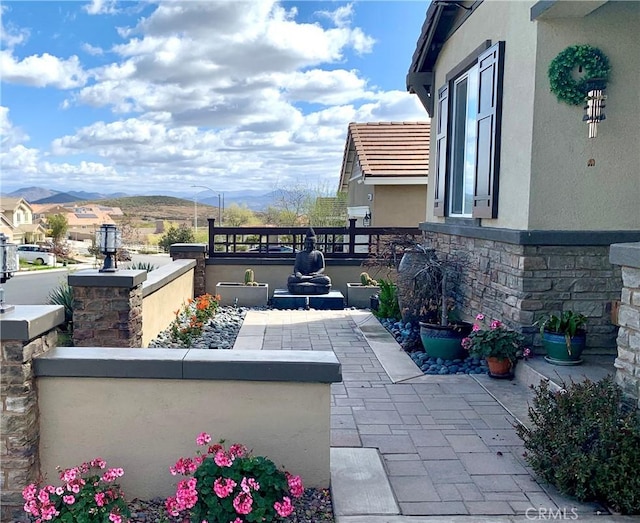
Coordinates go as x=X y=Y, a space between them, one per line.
x=213 y=449
x=184 y=466
x=295 y=486
x=223 y=487
x=249 y=484
x=466 y=343
x=222 y=459
x=285 y=508
x=475 y=327
x=43 y=496
x=98 y=462
x=495 y=324
x=480 y=317
x=99 y=497
x=203 y=438
x=59 y=491
x=69 y=500
x=75 y=488
x=526 y=352
x=237 y=450
x=116 y=518
x=242 y=503
x=29 y=492
x=237 y=520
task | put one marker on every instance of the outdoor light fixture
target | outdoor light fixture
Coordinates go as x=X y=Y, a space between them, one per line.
x=108 y=239
x=594 y=110
x=366 y=221
x=8 y=265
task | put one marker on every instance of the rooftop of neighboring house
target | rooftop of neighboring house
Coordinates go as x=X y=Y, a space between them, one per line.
x=10 y=204
x=386 y=150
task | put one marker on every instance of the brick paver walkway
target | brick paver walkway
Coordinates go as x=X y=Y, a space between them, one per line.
x=447 y=445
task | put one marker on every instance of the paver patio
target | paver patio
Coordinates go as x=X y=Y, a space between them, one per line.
x=446 y=444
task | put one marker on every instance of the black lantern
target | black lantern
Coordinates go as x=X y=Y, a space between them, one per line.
x=108 y=239
x=8 y=265
x=366 y=221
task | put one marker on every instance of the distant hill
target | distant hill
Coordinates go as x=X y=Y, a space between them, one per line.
x=42 y=195
x=61 y=197
x=32 y=194
x=151 y=208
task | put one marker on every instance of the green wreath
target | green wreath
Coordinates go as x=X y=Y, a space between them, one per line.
x=596 y=73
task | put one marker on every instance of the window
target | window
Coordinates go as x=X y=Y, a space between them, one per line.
x=468 y=138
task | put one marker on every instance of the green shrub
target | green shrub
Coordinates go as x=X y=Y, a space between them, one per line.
x=388 y=300
x=585 y=443
x=63 y=295
x=142 y=266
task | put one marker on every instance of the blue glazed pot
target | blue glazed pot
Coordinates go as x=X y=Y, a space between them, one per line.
x=556 y=347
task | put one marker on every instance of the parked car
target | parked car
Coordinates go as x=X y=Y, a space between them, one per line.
x=36 y=254
x=272 y=248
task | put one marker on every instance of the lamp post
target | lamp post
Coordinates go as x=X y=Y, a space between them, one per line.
x=108 y=239
x=8 y=265
x=220 y=204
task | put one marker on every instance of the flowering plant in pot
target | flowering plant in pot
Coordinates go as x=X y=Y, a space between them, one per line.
x=564 y=337
x=231 y=485
x=89 y=493
x=499 y=345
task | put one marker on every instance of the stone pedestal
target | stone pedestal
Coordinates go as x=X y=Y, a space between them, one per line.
x=283 y=299
x=193 y=251
x=108 y=308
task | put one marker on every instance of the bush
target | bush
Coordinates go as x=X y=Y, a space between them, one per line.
x=142 y=266
x=388 y=300
x=63 y=295
x=585 y=443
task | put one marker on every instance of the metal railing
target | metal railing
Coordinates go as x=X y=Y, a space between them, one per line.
x=283 y=242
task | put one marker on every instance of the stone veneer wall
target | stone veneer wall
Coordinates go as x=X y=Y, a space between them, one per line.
x=519 y=284
x=193 y=251
x=628 y=361
x=20 y=434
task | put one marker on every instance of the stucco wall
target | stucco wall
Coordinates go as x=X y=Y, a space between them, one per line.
x=398 y=205
x=565 y=193
x=508 y=21
x=158 y=307
x=276 y=275
x=288 y=422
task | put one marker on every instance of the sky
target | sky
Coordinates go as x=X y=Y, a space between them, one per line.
x=153 y=97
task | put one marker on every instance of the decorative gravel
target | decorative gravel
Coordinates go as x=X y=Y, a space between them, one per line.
x=313 y=506
x=408 y=336
x=220 y=332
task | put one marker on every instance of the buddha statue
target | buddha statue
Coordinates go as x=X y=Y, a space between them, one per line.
x=308 y=277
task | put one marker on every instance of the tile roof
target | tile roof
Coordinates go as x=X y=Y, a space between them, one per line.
x=387 y=149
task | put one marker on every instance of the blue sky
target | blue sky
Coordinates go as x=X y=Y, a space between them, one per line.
x=153 y=97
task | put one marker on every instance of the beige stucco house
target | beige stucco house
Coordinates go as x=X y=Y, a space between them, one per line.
x=384 y=171
x=18 y=213
x=516 y=181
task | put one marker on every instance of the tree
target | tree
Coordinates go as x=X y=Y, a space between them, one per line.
x=307 y=205
x=183 y=234
x=236 y=216
x=58 y=227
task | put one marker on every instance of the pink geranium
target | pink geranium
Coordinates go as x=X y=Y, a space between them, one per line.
x=242 y=503
x=285 y=508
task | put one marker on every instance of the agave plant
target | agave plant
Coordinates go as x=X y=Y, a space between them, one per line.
x=142 y=266
x=63 y=295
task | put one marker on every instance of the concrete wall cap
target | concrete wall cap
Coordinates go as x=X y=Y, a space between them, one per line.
x=27 y=322
x=162 y=276
x=627 y=254
x=188 y=247
x=93 y=278
x=223 y=365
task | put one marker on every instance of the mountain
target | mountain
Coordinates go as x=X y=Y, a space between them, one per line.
x=253 y=200
x=42 y=195
x=61 y=197
x=32 y=194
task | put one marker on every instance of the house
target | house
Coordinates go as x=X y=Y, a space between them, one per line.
x=384 y=170
x=517 y=182
x=83 y=221
x=18 y=219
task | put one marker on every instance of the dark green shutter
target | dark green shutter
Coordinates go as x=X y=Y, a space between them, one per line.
x=490 y=72
x=439 y=182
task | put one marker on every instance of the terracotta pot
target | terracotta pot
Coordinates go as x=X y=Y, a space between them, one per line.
x=499 y=367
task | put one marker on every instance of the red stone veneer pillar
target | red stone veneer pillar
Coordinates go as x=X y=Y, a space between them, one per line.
x=193 y=251
x=107 y=308
x=27 y=331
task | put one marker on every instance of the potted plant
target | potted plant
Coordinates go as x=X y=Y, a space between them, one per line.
x=427 y=292
x=499 y=345
x=564 y=338
x=359 y=294
x=246 y=294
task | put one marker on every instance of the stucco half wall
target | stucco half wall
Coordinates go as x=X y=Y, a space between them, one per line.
x=145 y=425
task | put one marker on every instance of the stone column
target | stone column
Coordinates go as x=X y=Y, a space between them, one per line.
x=107 y=308
x=193 y=251
x=628 y=361
x=27 y=331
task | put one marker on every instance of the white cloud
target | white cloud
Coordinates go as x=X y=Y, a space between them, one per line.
x=42 y=70
x=10 y=35
x=101 y=7
x=92 y=50
x=10 y=135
